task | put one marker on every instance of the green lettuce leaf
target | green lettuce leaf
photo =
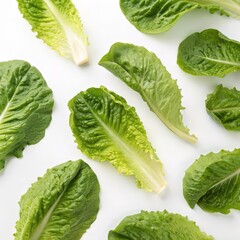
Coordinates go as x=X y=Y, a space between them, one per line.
x=60 y=205
x=157 y=226
x=57 y=23
x=213 y=182
x=143 y=72
x=156 y=16
x=209 y=53
x=223 y=105
x=26 y=104
x=106 y=128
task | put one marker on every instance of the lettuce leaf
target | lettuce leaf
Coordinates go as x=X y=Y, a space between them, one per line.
x=106 y=128
x=57 y=23
x=223 y=105
x=209 y=53
x=213 y=182
x=26 y=104
x=60 y=205
x=157 y=226
x=143 y=72
x=156 y=16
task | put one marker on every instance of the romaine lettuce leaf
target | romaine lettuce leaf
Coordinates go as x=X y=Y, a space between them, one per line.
x=157 y=226
x=60 y=205
x=223 y=105
x=106 y=128
x=57 y=23
x=213 y=182
x=26 y=104
x=143 y=72
x=156 y=16
x=209 y=53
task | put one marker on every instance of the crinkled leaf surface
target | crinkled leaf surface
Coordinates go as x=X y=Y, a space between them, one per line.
x=223 y=105
x=156 y=16
x=143 y=72
x=106 y=128
x=60 y=205
x=57 y=23
x=209 y=53
x=157 y=226
x=213 y=182
x=25 y=108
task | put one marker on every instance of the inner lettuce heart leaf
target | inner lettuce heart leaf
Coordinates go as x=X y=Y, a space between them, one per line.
x=213 y=182
x=209 y=53
x=223 y=105
x=157 y=226
x=26 y=104
x=60 y=205
x=106 y=128
x=156 y=16
x=143 y=72
x=58 y=24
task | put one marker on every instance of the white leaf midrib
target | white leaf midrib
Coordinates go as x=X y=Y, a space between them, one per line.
x=225 y=109
x=2 y=115
x=130 y=152
x=44 y=221
x=232 y=175
x=181 y=133
x=40 y=228
x=5 y=111
x=236 y=64
x=77 y=48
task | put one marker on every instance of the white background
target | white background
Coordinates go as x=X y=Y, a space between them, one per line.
x=105 y=24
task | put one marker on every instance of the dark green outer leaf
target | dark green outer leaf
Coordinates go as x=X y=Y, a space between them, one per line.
x=25 y=108
x=60 y=205
x=143 y=72
x=156 y=16
x=209 y=53
x=223 y=105
x=106 y=128
x=213 y=182
x=157 y=226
